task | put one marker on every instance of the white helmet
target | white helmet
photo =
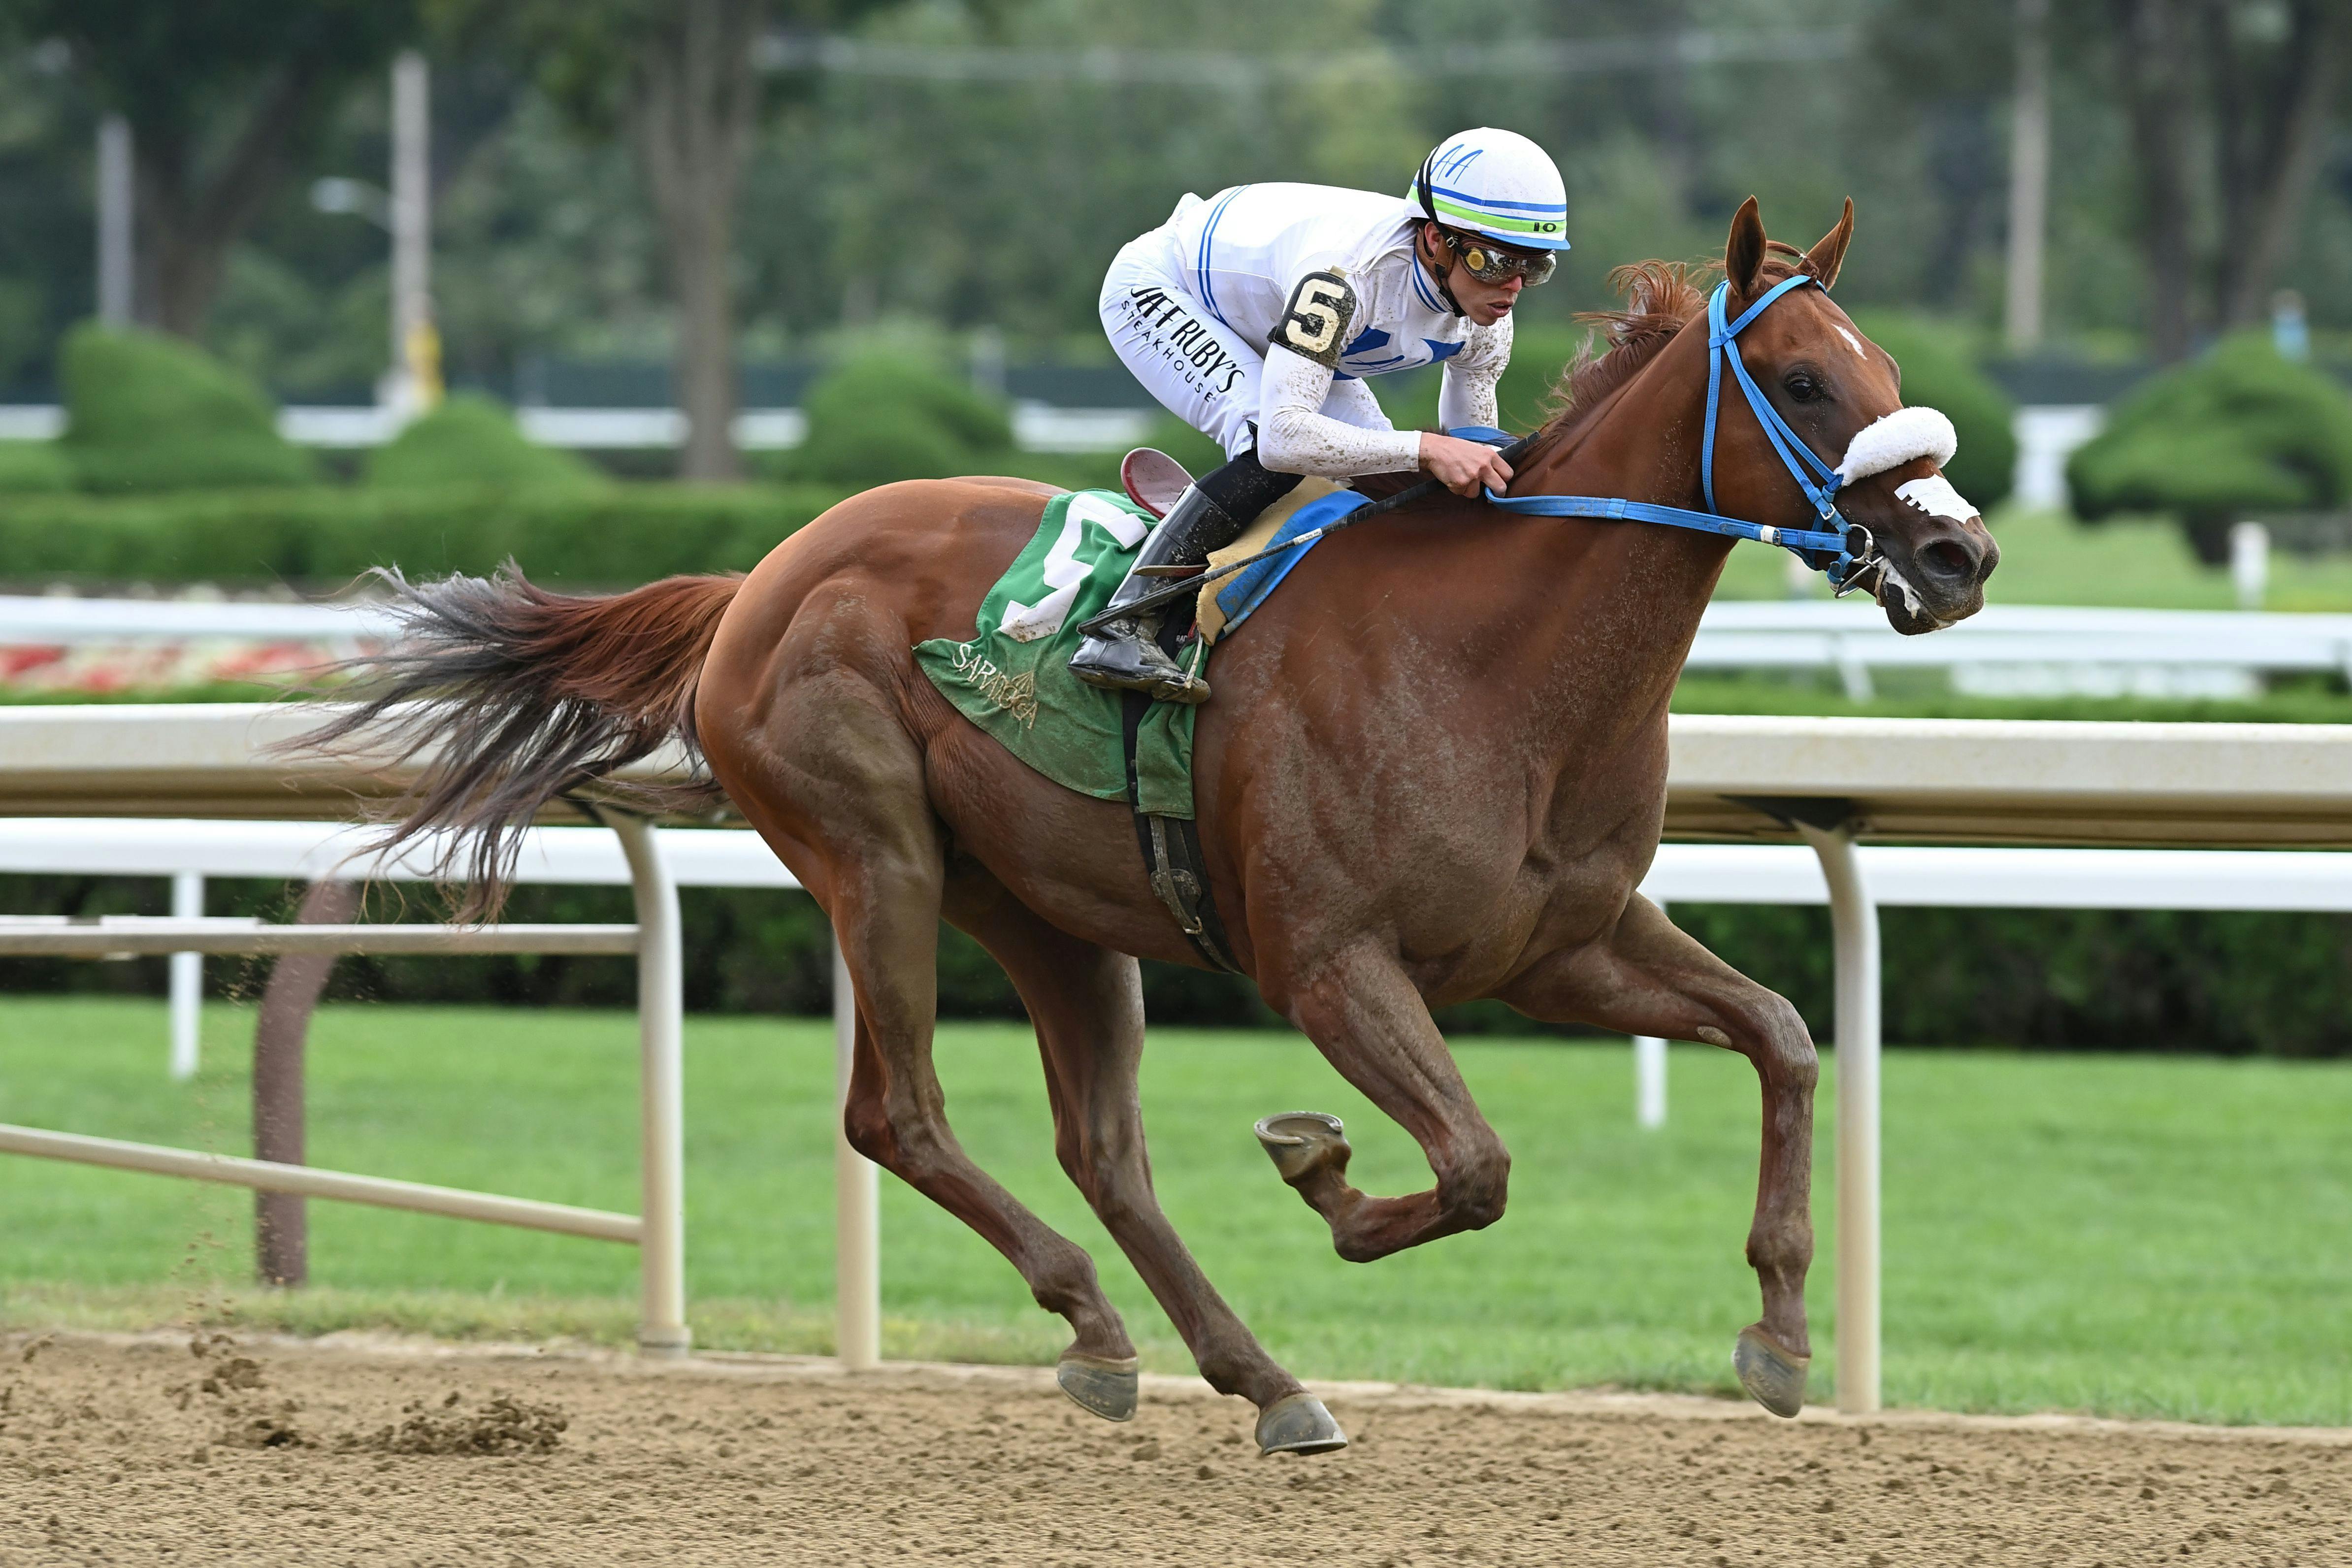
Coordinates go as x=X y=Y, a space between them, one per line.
x=1498 y=184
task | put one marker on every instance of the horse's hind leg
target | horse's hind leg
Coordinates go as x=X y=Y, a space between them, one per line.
x=1087 y=1003
x=1363 y=1014
x=874 y=847
x=1650 y=978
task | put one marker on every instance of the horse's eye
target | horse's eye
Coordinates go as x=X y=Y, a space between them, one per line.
x=1802 y=386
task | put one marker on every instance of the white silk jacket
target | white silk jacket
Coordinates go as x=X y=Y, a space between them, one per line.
x=1325 y=282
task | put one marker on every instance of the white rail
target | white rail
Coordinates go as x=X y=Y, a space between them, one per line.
x=2030 y=648
x=268 y=1177
x=651 y=861
x=658 y=1232
x=35 y=936
x=1957 y=782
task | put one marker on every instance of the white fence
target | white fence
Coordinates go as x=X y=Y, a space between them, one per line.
x=191 y=850
x=2046 y=436
x=2031 y=649
x=657 y=1230
x=1826 y=780
x=1710 y=873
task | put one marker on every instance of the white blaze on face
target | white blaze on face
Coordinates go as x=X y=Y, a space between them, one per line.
x=1853 y=343
x=1935 y=496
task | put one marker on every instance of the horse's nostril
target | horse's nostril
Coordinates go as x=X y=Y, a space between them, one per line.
x=1949 y=560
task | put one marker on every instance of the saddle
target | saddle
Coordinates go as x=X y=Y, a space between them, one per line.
x=1153 y=480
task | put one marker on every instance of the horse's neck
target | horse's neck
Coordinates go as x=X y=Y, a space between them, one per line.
x=1640 y=587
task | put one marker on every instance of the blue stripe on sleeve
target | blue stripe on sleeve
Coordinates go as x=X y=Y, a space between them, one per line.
x=1200 y=267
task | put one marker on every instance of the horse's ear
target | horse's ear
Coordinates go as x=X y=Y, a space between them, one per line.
x=1743 y=253
x=1824 y=260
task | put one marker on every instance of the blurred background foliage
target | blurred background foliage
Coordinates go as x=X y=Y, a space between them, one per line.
x=997 y=199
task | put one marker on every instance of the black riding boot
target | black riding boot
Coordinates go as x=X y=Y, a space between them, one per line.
x=1126 y=656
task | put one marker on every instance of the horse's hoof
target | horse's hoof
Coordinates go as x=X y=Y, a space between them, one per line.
x=1769 y=1371
x=1297 y=1423
x=1298 y=1141
x=1100 y=1383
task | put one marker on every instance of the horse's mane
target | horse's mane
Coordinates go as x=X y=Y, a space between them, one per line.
x=1661 y=297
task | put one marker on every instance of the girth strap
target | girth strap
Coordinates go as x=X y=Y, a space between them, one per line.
x=1172 y=857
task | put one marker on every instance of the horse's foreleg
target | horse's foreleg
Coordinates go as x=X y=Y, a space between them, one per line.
x=1087 y=1003
x=1365 y=1016
x=1650 y=978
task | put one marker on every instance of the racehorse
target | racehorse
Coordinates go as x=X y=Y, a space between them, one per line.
x=1434 y=771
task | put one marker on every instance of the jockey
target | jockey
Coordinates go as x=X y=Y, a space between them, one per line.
x=1255 y=315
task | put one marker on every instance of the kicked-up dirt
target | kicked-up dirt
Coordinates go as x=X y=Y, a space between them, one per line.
x=214 y=1450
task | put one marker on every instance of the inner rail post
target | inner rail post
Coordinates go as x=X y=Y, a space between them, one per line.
x=1853 y=921
x=187 y=980
x=661 y=1003
x=858 y=1199
x=1649 y=1068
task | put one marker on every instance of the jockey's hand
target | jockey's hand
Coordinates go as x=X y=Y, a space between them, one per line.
x=1462 y=466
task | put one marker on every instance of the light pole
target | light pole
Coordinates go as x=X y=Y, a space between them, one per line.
x=415 y=345
x=413 y=383
x=114 y=207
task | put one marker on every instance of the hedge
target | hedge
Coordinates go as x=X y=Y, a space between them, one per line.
x=880 y=419
x=33 y=468
x=145 y=412
x=2240 y=429
x=616 y=536
x=472 y=439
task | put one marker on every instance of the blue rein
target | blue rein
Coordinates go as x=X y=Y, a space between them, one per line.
x=1816 y=478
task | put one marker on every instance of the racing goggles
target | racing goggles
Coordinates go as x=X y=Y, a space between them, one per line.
x=1490 y=263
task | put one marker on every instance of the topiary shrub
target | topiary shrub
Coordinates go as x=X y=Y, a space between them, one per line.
x=878 y=419
x=145 y=412
x=1940 y=371
x=472 y=439
x=2240 y=429
x=33 y=468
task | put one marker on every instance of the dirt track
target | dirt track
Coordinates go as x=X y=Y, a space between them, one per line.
x=117 y=1451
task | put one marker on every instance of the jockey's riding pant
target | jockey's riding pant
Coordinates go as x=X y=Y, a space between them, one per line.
x=1255 y=317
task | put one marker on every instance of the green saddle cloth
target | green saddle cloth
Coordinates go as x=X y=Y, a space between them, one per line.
x=1012 y=678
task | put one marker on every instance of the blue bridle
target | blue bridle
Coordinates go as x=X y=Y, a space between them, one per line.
x=1848 y=550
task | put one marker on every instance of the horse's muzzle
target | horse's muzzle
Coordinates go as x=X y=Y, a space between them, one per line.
x=1937 y=576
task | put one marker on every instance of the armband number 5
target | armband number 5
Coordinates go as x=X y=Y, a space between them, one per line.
x=1317 y=320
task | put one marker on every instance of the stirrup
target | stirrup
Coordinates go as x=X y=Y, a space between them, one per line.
x=1125 y=658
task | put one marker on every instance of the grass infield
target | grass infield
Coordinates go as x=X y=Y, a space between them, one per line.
x=2127 y=1236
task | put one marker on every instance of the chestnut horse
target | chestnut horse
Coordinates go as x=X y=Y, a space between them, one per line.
x=1434 y=771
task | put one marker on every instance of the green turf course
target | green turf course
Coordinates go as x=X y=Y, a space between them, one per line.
x=2130 y=1235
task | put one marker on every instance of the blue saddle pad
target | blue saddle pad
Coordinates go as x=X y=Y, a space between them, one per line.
x=1246 y=590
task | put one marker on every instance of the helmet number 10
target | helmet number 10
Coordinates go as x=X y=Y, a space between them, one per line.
x=1316 y=321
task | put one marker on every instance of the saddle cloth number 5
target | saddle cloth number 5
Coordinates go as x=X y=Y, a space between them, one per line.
x=1063 y=571
x=1316 y=323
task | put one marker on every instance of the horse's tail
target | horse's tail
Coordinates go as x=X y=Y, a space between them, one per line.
x=518 y=695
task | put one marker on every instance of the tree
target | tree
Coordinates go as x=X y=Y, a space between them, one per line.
x=679 y=79
x=221 y=97
x=2272 y=98
x=2264 y=79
